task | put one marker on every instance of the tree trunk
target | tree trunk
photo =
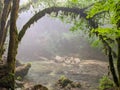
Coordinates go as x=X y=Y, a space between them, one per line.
x=5 y=13
x=117 y=14
x=13 y=43
x=118 y=59
x=112 y=68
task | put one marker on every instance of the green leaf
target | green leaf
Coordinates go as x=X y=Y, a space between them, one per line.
x=95 y=43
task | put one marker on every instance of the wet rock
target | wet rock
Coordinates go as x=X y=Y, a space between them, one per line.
x=19 y=83
x=76 y=84
x=22 y=71
x=28 y=84
x=37 y=87
x=77 y=60
x=88 y=73
x=59 y=59
x=67 y=60
x=66 y=84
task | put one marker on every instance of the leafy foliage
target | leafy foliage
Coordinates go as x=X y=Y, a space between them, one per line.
x=64 y=81
x=109 y=32
x=105 y=83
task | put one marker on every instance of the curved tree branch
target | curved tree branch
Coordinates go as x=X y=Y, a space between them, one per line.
x=77 y=11
x=42 y=13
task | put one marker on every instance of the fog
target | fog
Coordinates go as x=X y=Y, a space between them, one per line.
x=50 y=37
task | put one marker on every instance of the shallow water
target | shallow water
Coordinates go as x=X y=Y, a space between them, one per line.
x=87 y=72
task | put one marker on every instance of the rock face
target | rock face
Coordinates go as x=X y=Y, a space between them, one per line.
x=22 y=70
x=20 y=73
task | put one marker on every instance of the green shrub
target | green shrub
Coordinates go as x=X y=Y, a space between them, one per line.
x=105 y=82
x=64 y=81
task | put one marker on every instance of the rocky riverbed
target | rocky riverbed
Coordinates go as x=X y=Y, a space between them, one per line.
x=47 y=72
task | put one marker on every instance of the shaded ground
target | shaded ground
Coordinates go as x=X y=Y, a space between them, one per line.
x=47 y=72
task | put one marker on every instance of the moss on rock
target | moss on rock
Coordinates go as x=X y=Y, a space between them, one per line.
x=67 y=84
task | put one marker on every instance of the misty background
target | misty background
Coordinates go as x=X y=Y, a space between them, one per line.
x=50 y=37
